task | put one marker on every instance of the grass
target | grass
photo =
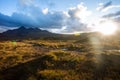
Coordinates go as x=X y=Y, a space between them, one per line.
x=59 y=60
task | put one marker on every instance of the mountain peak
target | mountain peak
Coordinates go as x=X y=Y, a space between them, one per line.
x=26 y=33
x=22 y=27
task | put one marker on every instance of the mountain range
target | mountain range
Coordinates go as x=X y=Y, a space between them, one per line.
x=22 y=33
x=29 y=33
x=25 y=33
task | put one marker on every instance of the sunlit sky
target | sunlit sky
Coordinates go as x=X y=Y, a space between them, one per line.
x=59 y=16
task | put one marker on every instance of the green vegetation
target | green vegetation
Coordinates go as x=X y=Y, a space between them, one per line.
x=60 y=60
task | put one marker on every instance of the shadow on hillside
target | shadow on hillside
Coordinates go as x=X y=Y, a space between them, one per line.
x=21 y=71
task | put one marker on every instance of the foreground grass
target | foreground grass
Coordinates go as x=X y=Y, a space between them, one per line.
x=59 y=60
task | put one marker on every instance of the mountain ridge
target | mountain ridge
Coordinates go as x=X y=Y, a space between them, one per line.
x=25 y=33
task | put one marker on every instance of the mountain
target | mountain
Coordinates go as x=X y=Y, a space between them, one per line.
x=36 y=33
x=26 y=33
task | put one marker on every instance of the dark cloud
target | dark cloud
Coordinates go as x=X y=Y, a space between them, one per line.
x=107 y=4
x=6 y=20
x=112 y=15
x=34 y=19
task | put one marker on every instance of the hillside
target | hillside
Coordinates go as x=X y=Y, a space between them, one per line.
x=91 y=59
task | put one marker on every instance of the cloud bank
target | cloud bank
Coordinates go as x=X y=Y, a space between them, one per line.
x=33 y=16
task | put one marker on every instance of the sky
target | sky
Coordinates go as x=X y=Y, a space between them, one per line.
x=58 y=16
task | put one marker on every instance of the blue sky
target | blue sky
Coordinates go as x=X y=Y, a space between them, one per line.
x=61 y=16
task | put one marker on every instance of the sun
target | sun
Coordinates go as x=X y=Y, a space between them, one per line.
x=107 y=28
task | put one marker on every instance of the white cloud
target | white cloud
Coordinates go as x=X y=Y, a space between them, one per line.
x=45 y=11
x=110 y=7
x=4 y=28
x=80 y=12
x=104 y=6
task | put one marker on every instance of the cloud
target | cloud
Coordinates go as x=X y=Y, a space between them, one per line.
x=111 y=7
x=117 y=21
x=104 y=7
x=45 y=11
x=4 y=28
x=26 y=2
x=75 y=20
x=73 y=25
x=32 y=16
x=80 y=12
x=112 y=15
